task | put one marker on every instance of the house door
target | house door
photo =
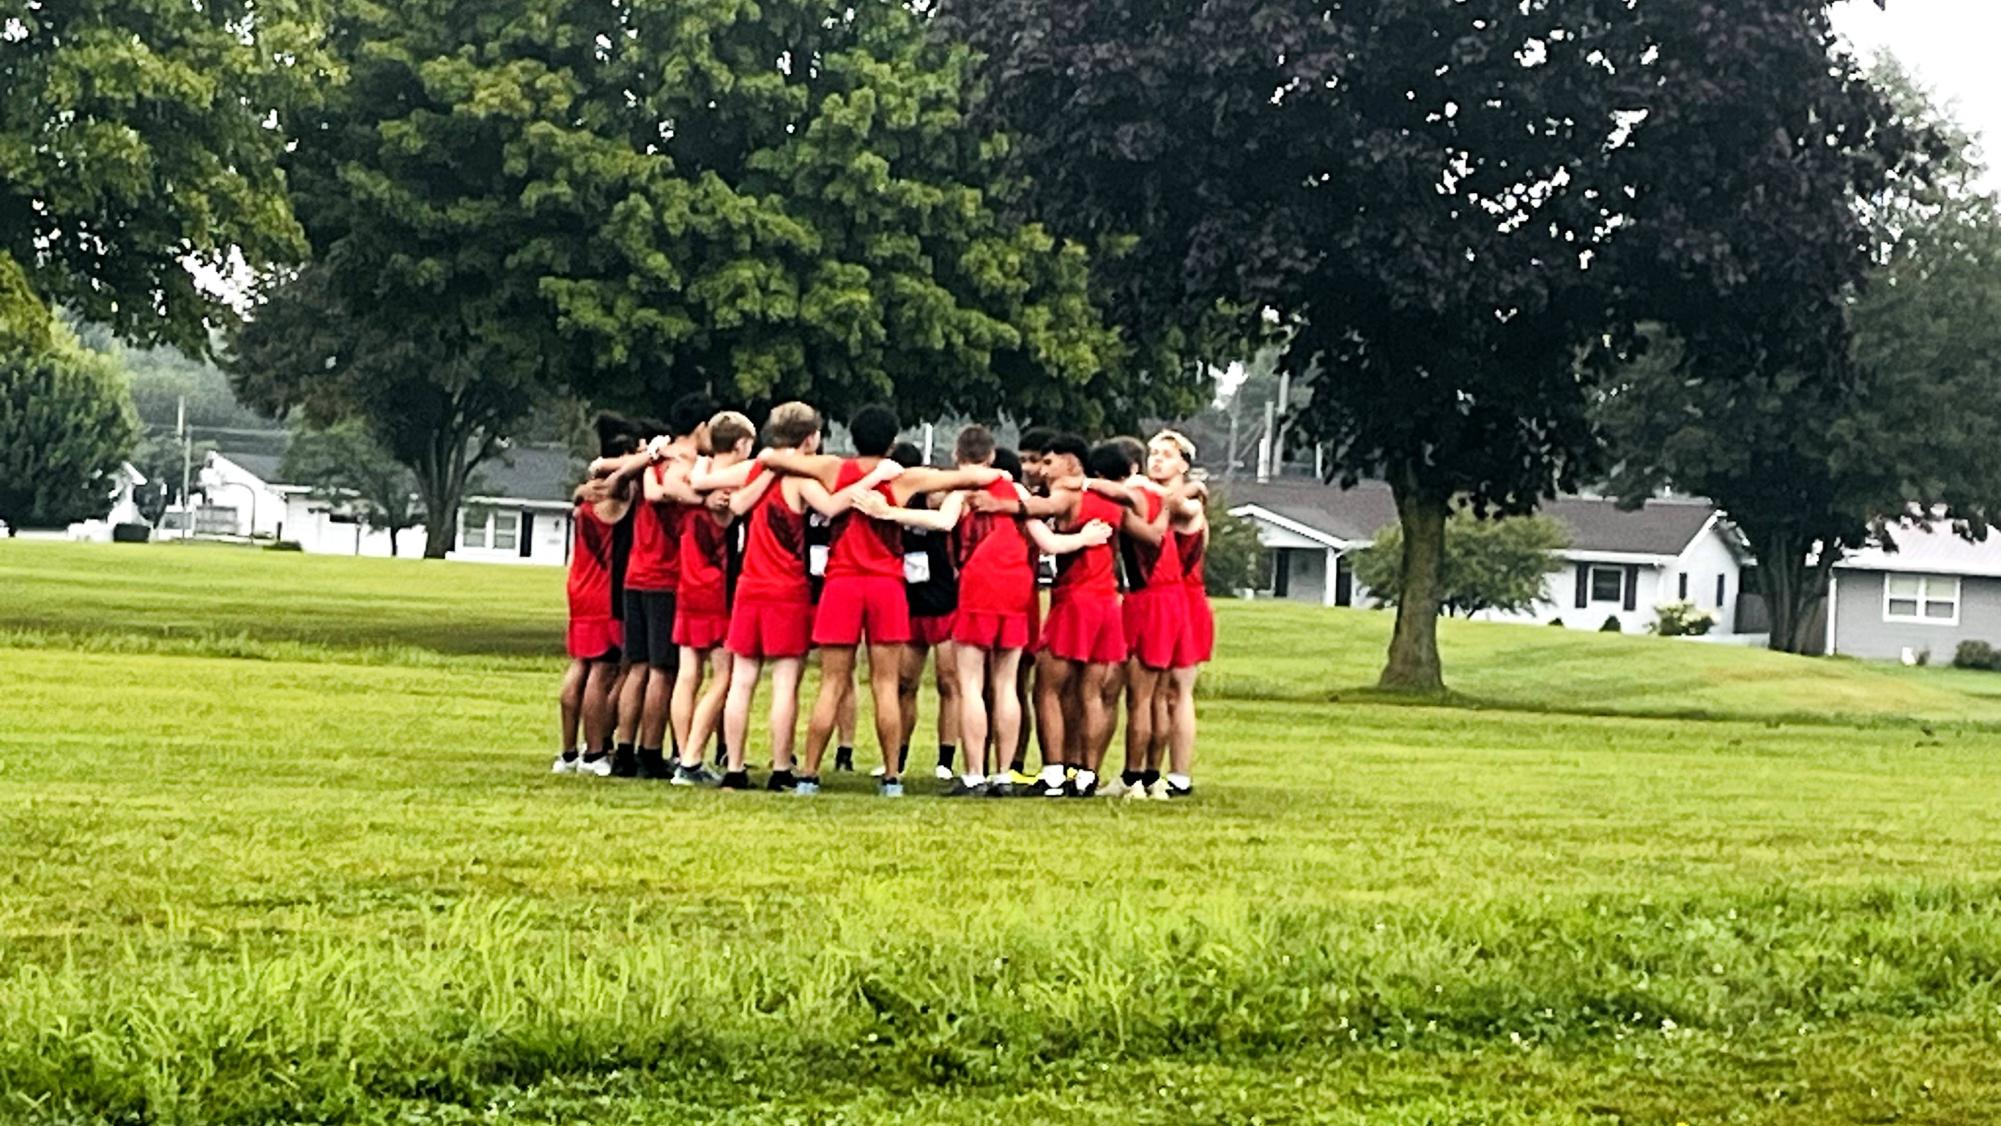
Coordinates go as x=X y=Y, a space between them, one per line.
x=527 y=534
x=1344 y=581
x=1281 y=573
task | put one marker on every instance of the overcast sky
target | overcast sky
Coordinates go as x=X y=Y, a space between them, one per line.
x=1950 y=46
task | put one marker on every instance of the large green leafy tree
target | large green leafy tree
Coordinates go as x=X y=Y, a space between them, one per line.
x=1810 y=463
x=137 y=144
x=66 y=423
x=1457 y=211
x=516 y=199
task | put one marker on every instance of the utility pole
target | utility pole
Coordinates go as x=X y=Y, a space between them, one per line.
x=187 y=467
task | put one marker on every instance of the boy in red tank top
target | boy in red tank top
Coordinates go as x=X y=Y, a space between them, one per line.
x=864 y=593
x=1170 y=457
x=701 y=605
x=768 y=621
x=595 y=638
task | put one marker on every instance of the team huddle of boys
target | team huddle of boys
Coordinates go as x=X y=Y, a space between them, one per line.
x=707 y=555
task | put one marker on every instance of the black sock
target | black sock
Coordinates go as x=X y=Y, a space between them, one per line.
x=1148 y=778
x=606 y=749
x=570 y=755
x=1128 y=777
x=1020 y=764
x=593 y=756
x=625 y=748
x=945 y=752
x=902 y=756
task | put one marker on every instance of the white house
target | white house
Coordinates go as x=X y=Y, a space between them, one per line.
x=1934 y=590
x=519 y=513
x=1620 y=564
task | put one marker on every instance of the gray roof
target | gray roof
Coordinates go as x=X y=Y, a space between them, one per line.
x=1660 y=527
x=528 y=473
x=262 y=466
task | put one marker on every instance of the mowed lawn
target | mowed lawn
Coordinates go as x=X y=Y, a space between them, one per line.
x=277 y=843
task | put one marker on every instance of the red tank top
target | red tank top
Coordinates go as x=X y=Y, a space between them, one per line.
x=704 y=558
x=656 y=555
x=996 y=560
x=1150 y=566
x=774 y=550
x=860 y=546
x=1192 y=547
x=1092 y=572
x=590 y=565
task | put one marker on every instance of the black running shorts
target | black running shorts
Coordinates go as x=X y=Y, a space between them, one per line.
x=649 y=629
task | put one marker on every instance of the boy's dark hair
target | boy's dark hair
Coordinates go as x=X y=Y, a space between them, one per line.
x=651 y=428
x=617 y=434
x=975 y=445
x=1133 y=448
x=873 y=429
x=689 y=412
x=1007 y=461
x=790 y=424
x=906 y=454
x=1106 y=460
x=1073 y=445
x=1036 y=439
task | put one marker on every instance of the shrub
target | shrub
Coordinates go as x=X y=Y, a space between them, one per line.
x=1611 y=625
x=284 y=545
x=1682 y=619
x=1976 y=655
x=1557 y=622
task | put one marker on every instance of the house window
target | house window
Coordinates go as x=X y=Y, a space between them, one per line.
x=1608 y=584
x=476 y=527
x=1931 y=599
x=506 y=530
x=1720 y=588
x=1684 y=588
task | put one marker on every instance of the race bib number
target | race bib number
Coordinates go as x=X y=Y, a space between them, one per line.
x=916 y=567
x=816 y=560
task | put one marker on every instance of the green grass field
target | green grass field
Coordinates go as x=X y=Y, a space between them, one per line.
x=277 y=844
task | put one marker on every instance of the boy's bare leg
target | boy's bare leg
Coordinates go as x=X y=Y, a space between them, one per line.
x=570 y=704
x=1181 y=727
x=681 y=705
x=736 y=712
x=1100 y=689
x=1004 y=674
x=837 y=680
x=885 y=670
x=708 y=709
x=785 y=673
x=972 y=669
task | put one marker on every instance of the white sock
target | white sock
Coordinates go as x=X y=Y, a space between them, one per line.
x=1086 y=777
x=1052 y=774
x=1179 y=781
x=997 y=779
x=971 y=779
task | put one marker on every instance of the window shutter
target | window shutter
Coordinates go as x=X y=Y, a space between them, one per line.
x=1632 y=586
x=1583 y=585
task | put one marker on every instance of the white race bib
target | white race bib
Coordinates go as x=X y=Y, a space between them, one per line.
x=916 y=567
x=816 y=560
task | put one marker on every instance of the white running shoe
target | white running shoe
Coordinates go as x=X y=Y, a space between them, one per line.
x=944 y=773
x=1134 y=792
x=564 y=765
x=1159 y=791
x=599 y=769
x=1112 y=787
x=876 y=771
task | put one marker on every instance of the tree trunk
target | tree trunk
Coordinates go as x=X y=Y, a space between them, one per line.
x=1413 y=664
x=393 y=532
x=1793 y=588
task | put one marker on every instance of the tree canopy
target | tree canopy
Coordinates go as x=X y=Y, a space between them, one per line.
x=1456 y=213
x=139 y=144
x=1813 y=461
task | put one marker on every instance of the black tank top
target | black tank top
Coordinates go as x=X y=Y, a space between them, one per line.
x=938 y=594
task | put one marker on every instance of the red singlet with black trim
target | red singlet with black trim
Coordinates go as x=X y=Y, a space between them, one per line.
x=1092 y=572
x=1150 y=566
x=996 y=560
x=774 y=550
x=655 y=564
x=1192 y=547
x=704 y=560
x=860 y=546
x=590 y=585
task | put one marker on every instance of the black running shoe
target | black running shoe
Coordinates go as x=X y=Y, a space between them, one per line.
x=624 y=764
x=1002 y=789
x=735 y=780
x=844 y=758
x=959 y=789
x=1076 y=789
x=780 y=780
x=1044 y=788
x=654 y=765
